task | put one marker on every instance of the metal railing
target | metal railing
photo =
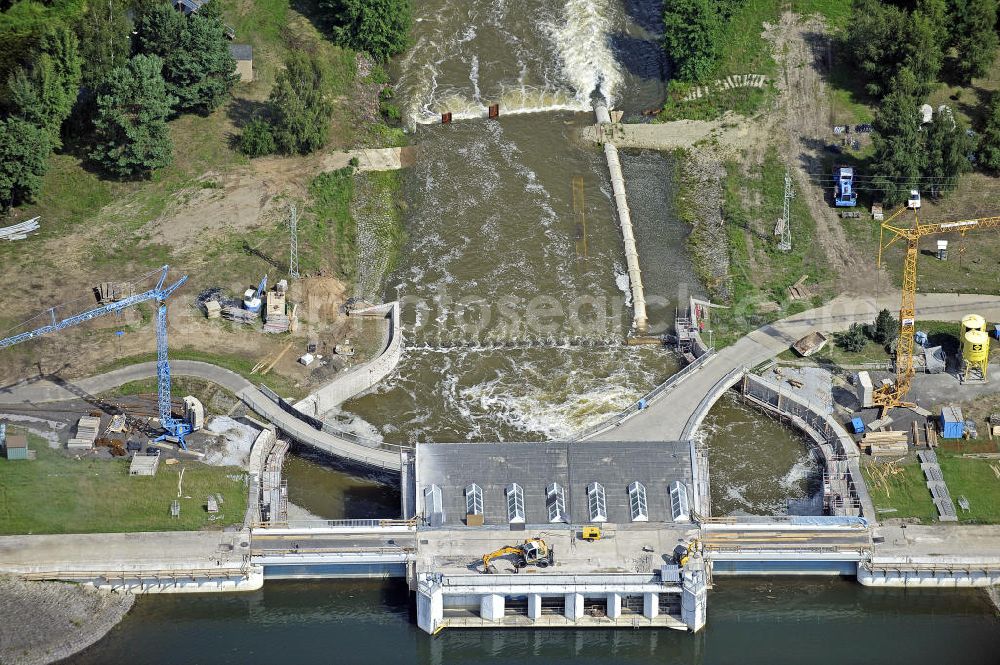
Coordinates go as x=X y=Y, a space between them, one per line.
x=644 y=401
x=326 y=428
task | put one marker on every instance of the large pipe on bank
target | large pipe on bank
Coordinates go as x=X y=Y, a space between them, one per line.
x=639 y=319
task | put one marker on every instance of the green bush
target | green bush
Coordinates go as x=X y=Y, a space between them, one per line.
x=379 y=27
x=853 y=339
x=257 y=139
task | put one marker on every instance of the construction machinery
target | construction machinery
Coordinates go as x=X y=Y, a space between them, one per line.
x=844 y=194
x=532 y=552
x=892 y=395
x=175 y=429
x=252 y=299
x=683 y=553
x=591 y=533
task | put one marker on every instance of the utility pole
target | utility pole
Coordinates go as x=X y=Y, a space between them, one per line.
x=293 y=260
x=785 y=244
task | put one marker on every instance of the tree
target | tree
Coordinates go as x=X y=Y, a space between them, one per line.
x=875 y=43
x=923 y=52
x=885 y=328
x=299 y=107
x=197 y=66
x=158 y=30
x=899 y=157
x=104 y=39
x=130 y=129
x=201 y=71
x=974 y=36
x=45 y=93
x=692 y=30
x=853 y=339
x=947 y=147
x=24 y=152
x=378 y=27
x=875 y=39
x=257 y=139
x=989 y=143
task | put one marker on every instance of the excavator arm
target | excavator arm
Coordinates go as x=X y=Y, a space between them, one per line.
x=503 y=551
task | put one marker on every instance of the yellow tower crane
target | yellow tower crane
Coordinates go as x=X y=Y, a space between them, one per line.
x=893 y=395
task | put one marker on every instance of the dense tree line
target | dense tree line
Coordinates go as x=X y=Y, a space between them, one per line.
x=903 y=51
x=693 y=33
x=120 y=89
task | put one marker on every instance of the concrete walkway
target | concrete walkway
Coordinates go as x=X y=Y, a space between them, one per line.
x=55 y=389
x=666 y=419
x=122 y=551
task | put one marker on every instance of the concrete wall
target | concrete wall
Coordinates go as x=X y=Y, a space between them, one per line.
x=834 y=444
x=363 y=377
x=639 y=318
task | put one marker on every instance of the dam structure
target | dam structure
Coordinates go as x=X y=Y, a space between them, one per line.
x=640 y=319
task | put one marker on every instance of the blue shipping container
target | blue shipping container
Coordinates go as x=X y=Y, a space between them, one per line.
x=952 y=423
x=858 y=425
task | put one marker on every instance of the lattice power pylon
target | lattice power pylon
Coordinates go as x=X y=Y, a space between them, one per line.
x=293 y=260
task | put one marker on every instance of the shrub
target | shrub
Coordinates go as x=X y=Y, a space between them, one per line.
x=257 y=139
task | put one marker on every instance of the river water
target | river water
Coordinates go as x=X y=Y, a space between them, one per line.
x=773 y=622
x=513 y=245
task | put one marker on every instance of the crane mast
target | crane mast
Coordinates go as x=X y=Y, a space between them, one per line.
x=173 y=427
x=893 y=395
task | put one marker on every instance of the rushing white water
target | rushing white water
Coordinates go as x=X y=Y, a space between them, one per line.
x=469 y=56
x=583 y=41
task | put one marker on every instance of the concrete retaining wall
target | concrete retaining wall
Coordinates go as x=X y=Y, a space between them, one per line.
x=646 y=400
x=640 y=320
x=834 y=444
x=363 y=377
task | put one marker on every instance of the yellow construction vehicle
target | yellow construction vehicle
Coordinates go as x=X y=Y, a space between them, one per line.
x=683 y=553
x=532 y=552
x=893 y=395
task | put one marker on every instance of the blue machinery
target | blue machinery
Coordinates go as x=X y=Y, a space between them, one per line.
x=174 y=428
x=844 y=195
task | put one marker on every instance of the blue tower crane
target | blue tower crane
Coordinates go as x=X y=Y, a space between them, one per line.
x=174 y=428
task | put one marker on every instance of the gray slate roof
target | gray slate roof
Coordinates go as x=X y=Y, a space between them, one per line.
x=241 y=51
x=533 y=466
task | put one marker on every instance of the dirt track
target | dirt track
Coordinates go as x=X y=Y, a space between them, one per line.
x=802 y=49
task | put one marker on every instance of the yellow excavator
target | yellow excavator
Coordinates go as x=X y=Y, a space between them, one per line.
x=532 y=552
x=683 y=553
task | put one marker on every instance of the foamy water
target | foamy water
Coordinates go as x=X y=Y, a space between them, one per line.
x=527 y=56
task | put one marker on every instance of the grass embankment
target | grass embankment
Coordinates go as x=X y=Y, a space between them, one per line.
x=760 y=272
x=972 y=478
x=59 y=494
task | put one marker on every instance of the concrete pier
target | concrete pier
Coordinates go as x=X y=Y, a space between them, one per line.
x=640 y=320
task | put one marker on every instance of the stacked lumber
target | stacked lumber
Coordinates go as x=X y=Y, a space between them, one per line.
x=275 y=318
x=886 y=443
x=798 y=290
x=238 y=314
x=87 y=429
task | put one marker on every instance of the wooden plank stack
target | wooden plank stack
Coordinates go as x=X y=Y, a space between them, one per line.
x=86 y=433
x=883 y=444
x=798 y=290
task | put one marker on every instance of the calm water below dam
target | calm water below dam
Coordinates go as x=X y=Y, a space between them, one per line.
x=770 y=622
